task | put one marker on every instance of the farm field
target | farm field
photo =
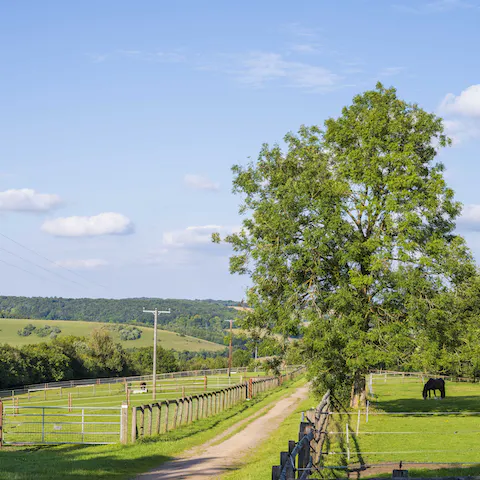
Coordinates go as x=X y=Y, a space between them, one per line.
x=168 y=340
x=403 y=427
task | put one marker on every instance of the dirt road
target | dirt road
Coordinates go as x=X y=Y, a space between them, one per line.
x=210 y=461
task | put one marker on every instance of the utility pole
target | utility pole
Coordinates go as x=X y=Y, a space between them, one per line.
x=230 y=348
x=155 y=316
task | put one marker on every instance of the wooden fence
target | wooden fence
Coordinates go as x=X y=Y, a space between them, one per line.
x=302 y=456
x=161 y=417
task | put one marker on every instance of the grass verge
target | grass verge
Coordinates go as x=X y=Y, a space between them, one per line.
x=76 y=462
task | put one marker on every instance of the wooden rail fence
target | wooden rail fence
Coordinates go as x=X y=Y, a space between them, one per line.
x=303 y=455
x=161 y=417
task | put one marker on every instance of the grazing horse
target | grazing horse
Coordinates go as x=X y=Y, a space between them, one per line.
x=434 y=384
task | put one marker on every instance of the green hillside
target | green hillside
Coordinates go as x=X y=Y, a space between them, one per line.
x=10 y=326
x=199 y=318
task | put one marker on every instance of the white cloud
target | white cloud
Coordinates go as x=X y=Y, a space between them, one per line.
x=466 y=104
x=200 y=182
x=85 y=264
x=462 y=114
x=259 y=68
x=27 y=200
x=107 y=223
x=470 y=219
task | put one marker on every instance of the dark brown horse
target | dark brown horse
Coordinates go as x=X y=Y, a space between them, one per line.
x=434 y=384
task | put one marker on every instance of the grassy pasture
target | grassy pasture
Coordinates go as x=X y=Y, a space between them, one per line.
x=168 y=340
x=403 y=427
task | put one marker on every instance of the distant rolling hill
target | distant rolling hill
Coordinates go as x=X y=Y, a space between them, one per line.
x=10 y=326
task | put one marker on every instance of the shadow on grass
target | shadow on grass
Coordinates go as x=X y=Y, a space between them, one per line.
x=73 y=462
x=464 y=404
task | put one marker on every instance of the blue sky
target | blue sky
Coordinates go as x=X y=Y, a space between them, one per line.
x=120 y=122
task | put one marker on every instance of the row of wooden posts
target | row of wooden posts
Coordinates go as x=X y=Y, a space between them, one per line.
x=160 y=417
x=301 y=456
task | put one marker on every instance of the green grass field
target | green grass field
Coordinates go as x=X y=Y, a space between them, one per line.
x=168 y=340
x=403 y=427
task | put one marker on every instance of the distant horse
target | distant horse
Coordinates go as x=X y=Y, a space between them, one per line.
x=434 y=384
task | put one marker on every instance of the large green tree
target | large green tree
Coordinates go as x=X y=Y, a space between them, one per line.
x=350 y=229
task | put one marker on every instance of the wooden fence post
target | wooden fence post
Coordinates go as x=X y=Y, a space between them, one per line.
x=134 y=432
x=304 y=454
x=167 y=403
x=158 y=418
x=190 y=410
x=175 y=414
x=250 y=388
x=197 y=406
x=181 y=409
x=290 y=470
x=1 y=424
x=150 y=419
x=142 y=422
x=69 y=401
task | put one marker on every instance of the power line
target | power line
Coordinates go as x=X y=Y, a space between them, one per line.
x=51 y=261
x=26 y=271
x=40 y=266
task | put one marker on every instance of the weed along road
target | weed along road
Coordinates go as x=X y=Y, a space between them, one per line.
x=216 y=457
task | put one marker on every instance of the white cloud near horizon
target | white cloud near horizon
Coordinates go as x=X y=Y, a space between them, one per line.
x=108 y=223
x=200 y=182
x=462 y=114
x=82 y=264
x=28 y=200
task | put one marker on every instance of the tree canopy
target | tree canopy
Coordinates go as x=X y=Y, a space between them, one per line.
x=350 y=229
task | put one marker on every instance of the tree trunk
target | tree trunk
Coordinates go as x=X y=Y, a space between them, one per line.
x=359 y=394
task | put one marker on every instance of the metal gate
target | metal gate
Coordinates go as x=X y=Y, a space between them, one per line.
x=61 y=425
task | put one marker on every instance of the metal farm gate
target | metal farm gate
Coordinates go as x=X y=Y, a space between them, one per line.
x=61 y=425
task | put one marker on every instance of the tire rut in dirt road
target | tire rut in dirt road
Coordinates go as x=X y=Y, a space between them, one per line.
x=211 y=461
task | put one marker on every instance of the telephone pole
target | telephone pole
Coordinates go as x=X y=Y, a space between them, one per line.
x=230 y=348
x=155 y=316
